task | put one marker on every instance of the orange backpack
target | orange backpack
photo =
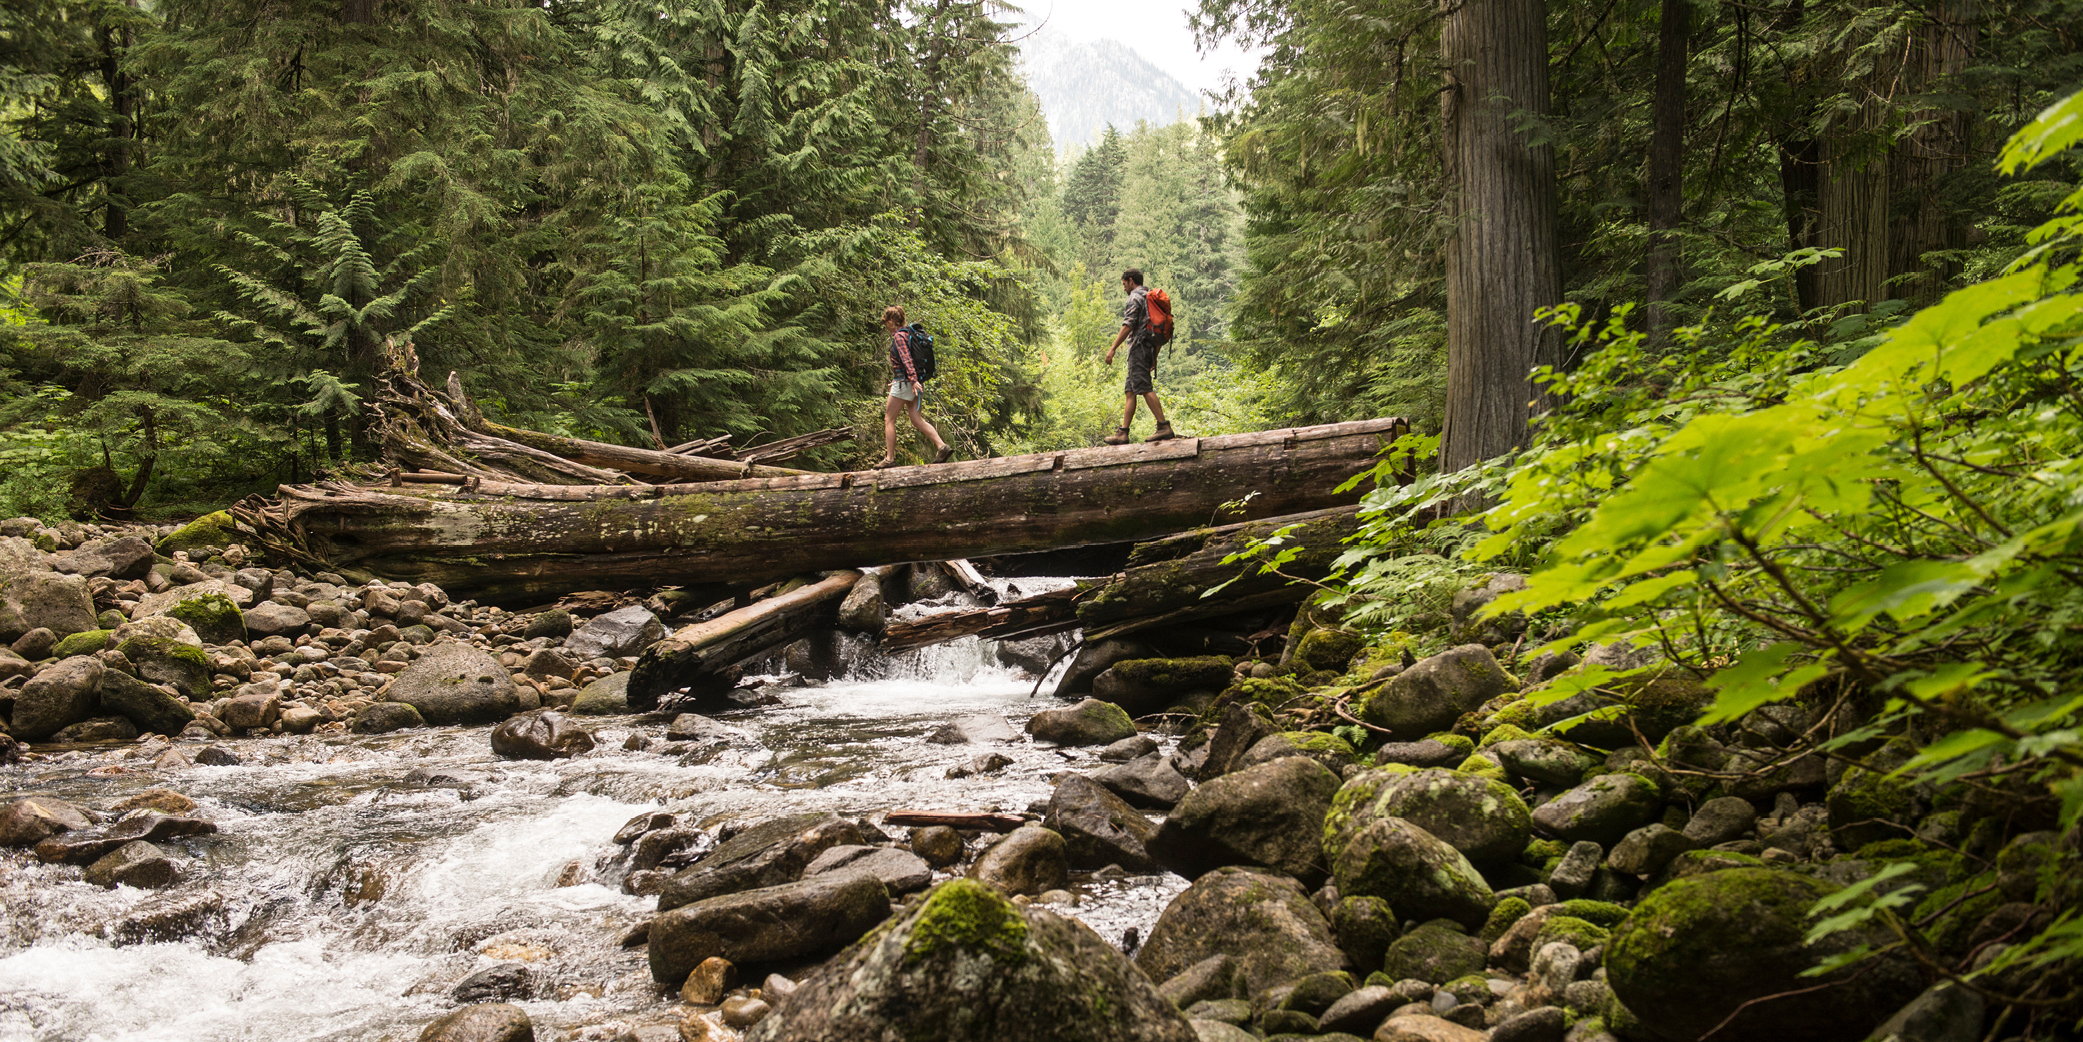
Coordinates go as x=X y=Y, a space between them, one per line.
x=1159 y=304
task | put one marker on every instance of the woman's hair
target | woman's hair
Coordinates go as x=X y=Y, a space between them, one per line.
x=893 y=313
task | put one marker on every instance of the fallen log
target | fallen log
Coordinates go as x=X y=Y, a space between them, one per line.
x=704 y=658
x=650 y=462
x=1033 y=616
x=524 y=543
x=972 y=820
x=789 y=448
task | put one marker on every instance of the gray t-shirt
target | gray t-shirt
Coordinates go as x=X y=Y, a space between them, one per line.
x=1135 y=314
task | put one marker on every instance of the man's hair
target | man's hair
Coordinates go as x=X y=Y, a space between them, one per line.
x=895 y=312
x=1134 y=275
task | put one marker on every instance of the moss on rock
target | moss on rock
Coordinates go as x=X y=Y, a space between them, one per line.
x=1503 y=733
x=1605 y=914
x=208 y=532
x=213 y=617
x=1508 y=911
x=86 y=643
x=1460 y=743
x=1580 y=934
x=968 y=914
x=1482 y=767
x=1329 y=649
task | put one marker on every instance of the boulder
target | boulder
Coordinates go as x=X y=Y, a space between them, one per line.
x=809 y=918
x=863 y=610
x=210 y=532
x=484 y=1022
x=1149 y=685
x=84 y=643
x=1419 y=875
x=213 y=617
x=256 y=705
x=1131 y=748
x=167 y=660
x=1601 y=810
x=1945 y=1013
x=1723 y=819
x=137 y=863
x=153 y=605
x=272 y=619
x=1241 y=726
x=608 y=696
x=554 y=624
x=1328 y=648
x=901 y=872
x=27 y=822
x=619 y=633
x=456 y=684
x=1360 y=1011
x=1365 y=927
x=1327 y=749
x=1265 y=921
x=61 y=695
x=83 y=846
x=549 y=662
x=1095 y=658
x=1271 y=816
x=965 y=965
x=98 y=729
x=1480 y=817
x=1090 y=722
x=1147 y=781
x=1542 y=760
x=1098 y=827
x=1698 y=950
x=972 y=730
x=164 y=627
x=1426 y=752
x=34 y=645
x=1028 y=860
x=1213 y=979
x=1646 y=850
x=767 y=854
x=31 y=598
x=544 y=734
x=13 y=665
x=1436 y=952
x=385 y=717
x=508 y=980
x=939 y=845
x=1432 y=694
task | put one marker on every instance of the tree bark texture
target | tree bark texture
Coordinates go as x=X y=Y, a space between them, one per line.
x=1852 y=203
x=513 y=543
x=1666 y=180
x=706 y=657
x=1502 y=261
x=1936 y=148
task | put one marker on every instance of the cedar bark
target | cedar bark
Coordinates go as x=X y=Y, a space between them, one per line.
x=1667 y=167
x=1502 y=261
x=1934 y=149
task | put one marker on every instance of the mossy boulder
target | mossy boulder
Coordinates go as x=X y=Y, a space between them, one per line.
x=385 y=717
x=1435 y=952
x=1089 y=722
x=1601 y=810
x=1541 y=760
x=84 y=643
x=1325 y=748
x=1270 y=816
x=1432 y=694
x=607 y=696
x=1461 y=744
x=1577 y=933
x=1148 y=685
x=1482 y=766
x=1417 y=873
x=1329 y=649
x=457 y=684
x=213 y=617
x=210 y=532
x=965 y=965
x=1730 y=944
x=1264 y=920
x=150 y=708
x=1869 y=806
x=1480 y=817
x=1508 y=911
x=1365 y=927
x=164 y=660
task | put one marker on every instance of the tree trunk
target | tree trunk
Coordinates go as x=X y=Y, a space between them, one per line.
x=1667 y=168
x=115 y=46
x=706 y=656
x=1936 y=148
x=1852 y=204
x=358 y=12
x=513 y=543
x=1502 y=261
x=1799 y=182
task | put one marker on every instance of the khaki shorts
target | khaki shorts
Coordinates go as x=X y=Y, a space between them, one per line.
x=904 y=390
x=1142 y=364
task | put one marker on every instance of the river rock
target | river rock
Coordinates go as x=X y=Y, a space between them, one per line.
x=808 y=918
x=257 y=705
x=61 y=695
x=972 y=730
x=544 y=734
x=1265 y=921
x=1481 y=817
x=214 y=617
x=1133 y=747
x=1601 y=810
x=385 y=717
x=1542 y=761
x=1359 y=1012
x=1333 y=752
x=1142 y=686
x=965 y=965
x=1646 y=850
x=863 y=610
x=1270 y=816
x=35 y=644
x=137 y=863
x=27 y=822
x=1095 y=658
x=709 y=981
x=164 y=627
x=1432 y=694
x=484 y=1022
x=1213 y=979
x=1422 y=1027
x=1098 y=827
x=624 y=631
x=98 y=729
x=1241 y=726
x=1147 y=781
x=1418 y=874
x=1028 y=860
x=171 y=917
x=121 y=559
x=767 y=854
x=34 y=599
x=1945 y=1013
x=165 y=801
x=456 y=684
x=1721 y=820
x=554 y=623
x=508 y=980
x=81 y=846
x=1436 y=952
x=901 y=872
x=608 y=696
x=212 y=531
x=13 y=665
x=1695 y=950
x=939 y=845
x=1090 y=722
x=152 y=709
x=273 y=619
x=169 y=660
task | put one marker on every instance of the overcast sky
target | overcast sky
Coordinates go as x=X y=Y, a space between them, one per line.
x=1155 y=29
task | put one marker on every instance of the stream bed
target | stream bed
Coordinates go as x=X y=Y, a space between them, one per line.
x=354 y=880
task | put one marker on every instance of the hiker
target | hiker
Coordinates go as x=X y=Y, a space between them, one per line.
x=905 y=393
x=1142 y=360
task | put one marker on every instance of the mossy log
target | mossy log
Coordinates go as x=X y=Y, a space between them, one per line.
x=706 y=658
x=512 y=543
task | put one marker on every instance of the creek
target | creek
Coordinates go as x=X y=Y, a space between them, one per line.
x=354 y=880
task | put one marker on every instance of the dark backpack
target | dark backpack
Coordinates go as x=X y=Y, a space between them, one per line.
x=1158 y=305
x=920 y=343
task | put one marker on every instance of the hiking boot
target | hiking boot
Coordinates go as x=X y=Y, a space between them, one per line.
x=946 y=453
x=1119 y=437
x=1164 y=432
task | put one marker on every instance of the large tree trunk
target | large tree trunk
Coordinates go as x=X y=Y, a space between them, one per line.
x=513 y=543
x=1938 y=147
x=1852 y=202
x=1667 y=167
x=1502 y=261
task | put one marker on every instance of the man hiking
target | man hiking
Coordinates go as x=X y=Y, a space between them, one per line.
x=1142 y=360
x=905 y=393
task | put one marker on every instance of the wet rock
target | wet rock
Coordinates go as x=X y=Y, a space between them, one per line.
x=988 y=763
x=27 y=822
x=32 y=599
x=965 y=965
x=1241 y=726
x=137 y=864
x=1696 y=950
x=1028 y=860
x=85 y=845
x=1142 y=686
x=1090 y=722
x=554 y=624
x=863 y=609
x=608 y=696
x=170 y=661
x=456 y=684
x=165 y=801
x=1435 y=953
x=1360 y=1012
x=1263 y=920
x=1432 y=694
x=1646 y=850
x=1269 y=816
x=256 y=705
x=1098 y=827
x=171 y=917
x=973 y=730
x=272 y=618
x=1095 y=658
x=152 y=709
x=765 y=855
x=1148 y=781
x=709 y=981
x=1131 y=748
x=56 y=698
x=385 y=717
x=541 y=735
x=1601 y=810
x=1721 y=820
x=624 y=631
x=1418 y=874
x=939 y=845
x=900 y=872
x=1333 y=752
x=301 y=719
x=508 y=980
x=484 y=1022
x=98 y=729
x=813 y=917
x=217 y=756
x=675 y=846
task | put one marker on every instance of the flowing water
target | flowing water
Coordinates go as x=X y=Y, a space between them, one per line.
x=342 y=899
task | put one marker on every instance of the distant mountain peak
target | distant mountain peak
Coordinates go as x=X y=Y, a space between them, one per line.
x=1083 y=86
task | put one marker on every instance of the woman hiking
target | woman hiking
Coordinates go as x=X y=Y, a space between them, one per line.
x=905 y=391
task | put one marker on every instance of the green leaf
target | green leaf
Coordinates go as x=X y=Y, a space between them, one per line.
x=2058 y=127
x=1757 y=678
x=1904 y=591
